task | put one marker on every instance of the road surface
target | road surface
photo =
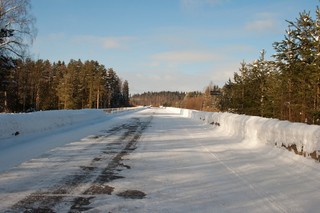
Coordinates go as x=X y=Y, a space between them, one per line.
x=157 y=161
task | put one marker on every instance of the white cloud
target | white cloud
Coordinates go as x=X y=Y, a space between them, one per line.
x=186 y=56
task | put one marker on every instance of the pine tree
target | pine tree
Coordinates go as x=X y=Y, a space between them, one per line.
x=125 y=93
x=113 y=85
x=58 y=69
x=295 y=57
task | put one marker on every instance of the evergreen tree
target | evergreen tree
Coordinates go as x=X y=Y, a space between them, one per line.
x=295 y=57
x=125 y=93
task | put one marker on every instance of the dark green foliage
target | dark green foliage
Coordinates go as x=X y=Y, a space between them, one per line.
x=125 y=93
x=39 y=85
x=286 y=88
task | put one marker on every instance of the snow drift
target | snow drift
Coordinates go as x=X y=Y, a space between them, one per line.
x=35 y=122
x=24 y=123
x=255 y=129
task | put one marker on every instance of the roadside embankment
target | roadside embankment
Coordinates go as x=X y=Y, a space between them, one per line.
x=301 y=138
x=14 y=124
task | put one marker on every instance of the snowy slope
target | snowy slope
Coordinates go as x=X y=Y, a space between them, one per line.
x=41 y=131
x=25 y=123
x=36 y=122
x=261 y=130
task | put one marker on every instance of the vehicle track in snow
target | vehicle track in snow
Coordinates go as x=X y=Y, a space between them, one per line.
x=180 y=165
x=277 y=207
x=75 y=191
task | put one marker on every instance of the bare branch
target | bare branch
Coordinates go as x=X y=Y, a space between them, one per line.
x=17 y=27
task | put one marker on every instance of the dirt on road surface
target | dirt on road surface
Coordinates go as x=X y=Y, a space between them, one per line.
x=76 y=188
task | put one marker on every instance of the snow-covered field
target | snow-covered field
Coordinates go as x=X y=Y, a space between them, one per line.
x=157 y=160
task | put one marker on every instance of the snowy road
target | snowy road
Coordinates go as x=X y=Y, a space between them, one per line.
x=157 y=161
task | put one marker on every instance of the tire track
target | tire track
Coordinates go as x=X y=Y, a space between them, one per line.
x=276 y=206
x=70 y=192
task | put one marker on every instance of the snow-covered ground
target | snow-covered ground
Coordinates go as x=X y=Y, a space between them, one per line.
x=159 y=160
x=261 y=130
x=27 y=135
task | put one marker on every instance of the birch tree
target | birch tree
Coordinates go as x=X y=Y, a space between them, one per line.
x=17 y=28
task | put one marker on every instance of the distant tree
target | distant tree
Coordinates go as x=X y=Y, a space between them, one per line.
x=125 y=93
x=211 y=98
x=113 y=86
x=68 y=88
x=193 y=100
x=163 y=98
x=58 y=71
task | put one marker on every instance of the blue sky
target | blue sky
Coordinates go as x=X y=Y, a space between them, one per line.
x=175 y=45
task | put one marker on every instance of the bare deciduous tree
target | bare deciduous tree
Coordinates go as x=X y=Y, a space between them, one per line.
x=17 y=28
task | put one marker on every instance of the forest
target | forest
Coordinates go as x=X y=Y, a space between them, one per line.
x=287 y=87
x=205 y=101
x=31 y=85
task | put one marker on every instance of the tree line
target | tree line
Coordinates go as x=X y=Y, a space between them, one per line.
x=41 y=85
x=163 y=98
x=197 y=100
x=287 y=87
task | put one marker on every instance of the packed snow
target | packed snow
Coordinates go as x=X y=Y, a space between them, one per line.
x=159 y=160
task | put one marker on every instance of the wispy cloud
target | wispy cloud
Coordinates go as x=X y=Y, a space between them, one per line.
x=186 y=56
x=121 y=42
x=193 y=4
x=264 y=22
x=53 y=37
x=116 y=42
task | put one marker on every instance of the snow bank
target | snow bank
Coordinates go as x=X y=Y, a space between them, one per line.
x=24 y=123
x=261 y=130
